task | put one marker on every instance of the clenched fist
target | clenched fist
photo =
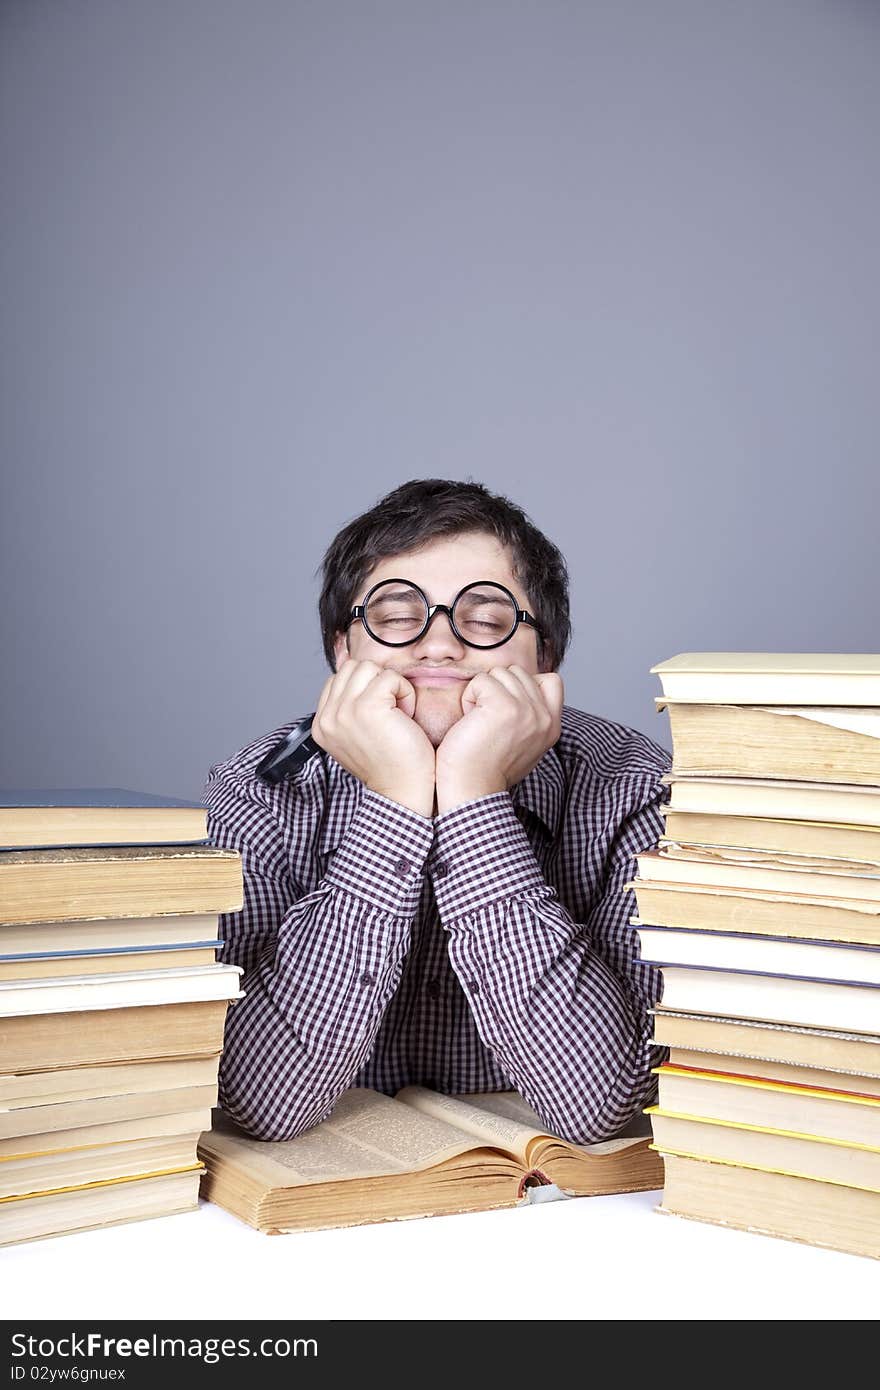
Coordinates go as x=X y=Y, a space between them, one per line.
x=365 y=720
x=510 y=718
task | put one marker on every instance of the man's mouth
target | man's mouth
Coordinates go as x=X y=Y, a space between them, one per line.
x=437 y=676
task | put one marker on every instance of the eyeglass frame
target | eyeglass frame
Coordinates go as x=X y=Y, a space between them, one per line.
x=358 y=612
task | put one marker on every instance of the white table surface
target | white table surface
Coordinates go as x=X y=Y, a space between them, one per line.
x=588 y=1258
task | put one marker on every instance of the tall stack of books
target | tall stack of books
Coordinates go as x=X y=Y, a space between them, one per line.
x=112 y=1005
x=761 y=906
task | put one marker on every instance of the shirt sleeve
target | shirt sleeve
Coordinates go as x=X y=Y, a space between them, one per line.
x=319 y=967
x=562 y=1005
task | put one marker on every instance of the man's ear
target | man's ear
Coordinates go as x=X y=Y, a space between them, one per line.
x=340 y=649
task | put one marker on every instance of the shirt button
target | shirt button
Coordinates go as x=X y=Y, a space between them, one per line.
x=402 y=867
x=473 y=986
x=367 y=978
x=441 y=868
x=432 y=989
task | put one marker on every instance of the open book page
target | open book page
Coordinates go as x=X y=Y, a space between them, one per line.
x=367 y=1135
x=498 y=1119
x=511 y=1105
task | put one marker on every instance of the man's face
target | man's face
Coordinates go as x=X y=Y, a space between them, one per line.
x=439 y=666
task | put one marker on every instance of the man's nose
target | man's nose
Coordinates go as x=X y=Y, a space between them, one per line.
x=439 y=641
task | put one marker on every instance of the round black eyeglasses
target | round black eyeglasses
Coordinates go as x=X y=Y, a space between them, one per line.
x=397 y=613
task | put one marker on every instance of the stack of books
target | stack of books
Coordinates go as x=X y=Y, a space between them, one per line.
x=761 y=907
x=112 y=1005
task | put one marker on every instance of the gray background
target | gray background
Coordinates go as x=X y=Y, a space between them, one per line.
x=264 y=261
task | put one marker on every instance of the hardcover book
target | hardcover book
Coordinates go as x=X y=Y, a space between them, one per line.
x=178 y=930
x=38 y=818
x=772 y=678
x=122 y=990
x=51 y=885
x=761 y=955
x=30 y=1173
x=830 y=1214
x=43 y=1117
x=706 y=907
x=786 y=860
x=96 y=1204
x=89 y=1138
x=773 y=998
x=29 y=965
x=845 y=1115
x=419 y=1153
x=801 y=1155
x=837 y=1050
x=59 y=1084
x=790 y=1073
x=787 y=742
x=737 y=836
x=825 y=801
x=845 y=881
x=89 y=1037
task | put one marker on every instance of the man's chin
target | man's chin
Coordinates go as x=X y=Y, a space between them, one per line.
x=436 y=711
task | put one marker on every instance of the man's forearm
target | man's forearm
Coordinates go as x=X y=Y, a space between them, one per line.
x=571 y=1035
x=315 y=1000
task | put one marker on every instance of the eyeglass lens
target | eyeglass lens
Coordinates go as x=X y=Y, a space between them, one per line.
x=484 y=614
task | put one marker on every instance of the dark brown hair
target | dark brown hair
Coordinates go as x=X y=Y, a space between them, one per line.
x=424 y=509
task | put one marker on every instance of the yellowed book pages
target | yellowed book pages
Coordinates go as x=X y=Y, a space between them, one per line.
x=85 y=1137
x=712 y=872
x=97 y=1110
x=745 y=1041
x=795 y=843
x=22 y=1177
x=832 y=1215
x=801 y=1155
x=57 y=967
x=116 y=1078
x=830 y=802
x=88 y=1037
x=789 y=861
x=419 y=1153
x=827 y=1114
x=175 y=929
x=118 y=881
x=32 y=825
x=705 y=908
x=87 y=1208
x=789 y=1073
x=99 y=1183
x=713 y=740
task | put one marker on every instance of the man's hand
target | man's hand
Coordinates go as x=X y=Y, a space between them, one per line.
x=365 y=720
x=510 y=719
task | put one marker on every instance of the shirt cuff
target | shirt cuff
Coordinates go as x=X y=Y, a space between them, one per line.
x=382 y=857
x=481 y=855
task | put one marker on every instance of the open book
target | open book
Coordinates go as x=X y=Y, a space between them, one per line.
x=419 y=1153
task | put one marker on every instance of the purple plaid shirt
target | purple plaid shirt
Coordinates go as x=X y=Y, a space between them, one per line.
x=486 y=949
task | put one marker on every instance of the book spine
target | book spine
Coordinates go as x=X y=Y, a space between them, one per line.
x=535 y=1177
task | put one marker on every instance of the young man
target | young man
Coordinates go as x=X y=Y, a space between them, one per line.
x=437 y=895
